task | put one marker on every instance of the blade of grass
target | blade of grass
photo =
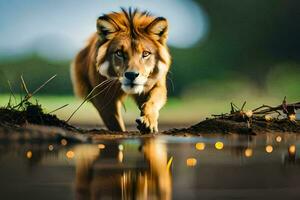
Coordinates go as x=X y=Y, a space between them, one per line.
x=43 y=85
x=24 y=85
x=58 y=108
x=11 y=91
x=88 y=97
x=28 y=96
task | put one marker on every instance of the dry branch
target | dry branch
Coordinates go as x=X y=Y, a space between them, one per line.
x=261 y=112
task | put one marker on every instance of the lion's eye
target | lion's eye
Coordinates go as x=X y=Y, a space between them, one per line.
x=146 y=54
x=119 y=53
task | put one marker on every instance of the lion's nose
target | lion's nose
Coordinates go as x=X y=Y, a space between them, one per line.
x=131 y=75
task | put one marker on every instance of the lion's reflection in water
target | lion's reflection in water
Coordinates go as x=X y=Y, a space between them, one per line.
x=102 y=175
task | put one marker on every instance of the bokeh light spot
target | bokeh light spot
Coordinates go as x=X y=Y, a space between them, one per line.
x=248 y=152
x=292 y=149
x=278 y=138
x=50 y=147
x=200 y=146
x=219 y=145
x=191 y=162
x=70 y=154
x=121 y=147
x=269 y=149
x=64 y=142
x=29 y=154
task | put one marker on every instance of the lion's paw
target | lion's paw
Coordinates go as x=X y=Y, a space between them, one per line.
x=146 y=124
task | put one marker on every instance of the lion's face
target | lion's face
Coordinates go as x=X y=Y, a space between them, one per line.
x=133 y=49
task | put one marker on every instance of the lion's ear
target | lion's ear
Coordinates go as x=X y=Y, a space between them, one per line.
x=106 y=27
x=158 y=28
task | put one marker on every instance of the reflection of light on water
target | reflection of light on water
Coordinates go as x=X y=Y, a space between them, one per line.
x=278 y=139
x=269 y=149
x=191 y=162
x=101 y=146
x=120 y=156
x=219 y=145
x=170 y=163
x=248 y=152
x=64 y=142
x=121 y=147
x=29 y=154
x=70 y=154
x=292 y=149
x=200 y=146
x=50 y=147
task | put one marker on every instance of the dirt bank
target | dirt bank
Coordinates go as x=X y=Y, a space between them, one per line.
x=30 y=123
x=226 y=126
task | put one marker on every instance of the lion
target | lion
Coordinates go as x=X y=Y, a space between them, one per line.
x=127 y=56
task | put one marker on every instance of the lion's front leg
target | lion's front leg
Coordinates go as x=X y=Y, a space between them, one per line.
x=150 y=104
x=108 y=102
x=148 y=123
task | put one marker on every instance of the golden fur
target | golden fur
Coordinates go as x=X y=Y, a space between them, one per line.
x=127 y=55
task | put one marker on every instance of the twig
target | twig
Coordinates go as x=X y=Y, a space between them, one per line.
x=222 y=115
x=236 y=107
x=259 y=108
x=268 y=108
x=233 y=108
x=243 y=106
x=288 y=109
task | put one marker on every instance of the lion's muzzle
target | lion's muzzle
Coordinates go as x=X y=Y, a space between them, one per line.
x=133 y=82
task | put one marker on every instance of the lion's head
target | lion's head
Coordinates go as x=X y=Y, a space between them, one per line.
x=132 y=48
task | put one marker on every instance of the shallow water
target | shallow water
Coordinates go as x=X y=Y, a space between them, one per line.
x=208 y=167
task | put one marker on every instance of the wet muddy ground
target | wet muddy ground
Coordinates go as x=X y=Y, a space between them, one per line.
x=213 y=166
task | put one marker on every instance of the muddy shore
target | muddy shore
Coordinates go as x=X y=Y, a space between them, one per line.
x=30 y=123
x=44 y=133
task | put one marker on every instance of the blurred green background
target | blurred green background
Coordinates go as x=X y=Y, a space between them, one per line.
x=249 y=51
